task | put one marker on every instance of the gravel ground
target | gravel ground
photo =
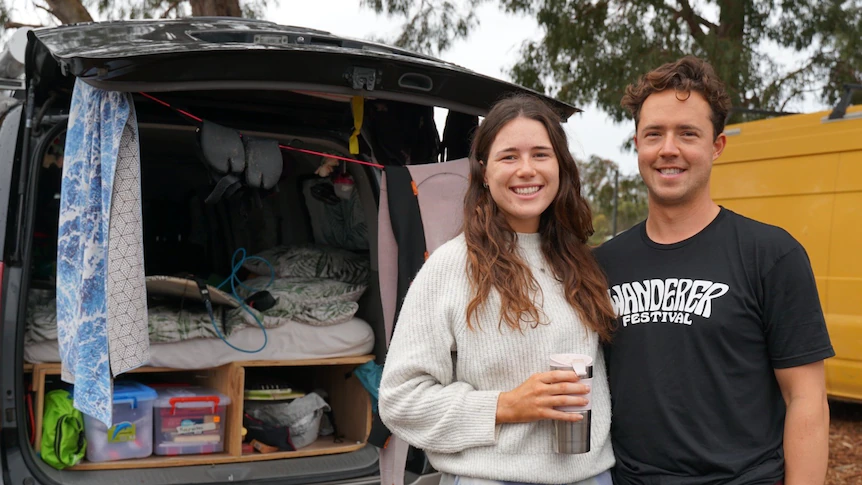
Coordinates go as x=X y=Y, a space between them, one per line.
x=845 y=444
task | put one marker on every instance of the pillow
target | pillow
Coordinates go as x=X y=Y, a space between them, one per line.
x=314 y=301
x=312 y=262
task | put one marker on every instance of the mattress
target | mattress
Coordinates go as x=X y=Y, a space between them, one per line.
x=292 y=341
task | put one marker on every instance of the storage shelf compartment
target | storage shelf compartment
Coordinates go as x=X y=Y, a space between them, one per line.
x=351 y=409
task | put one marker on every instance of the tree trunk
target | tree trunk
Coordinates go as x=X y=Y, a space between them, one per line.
x=69 y=11
x=730 y=48
x=215 y=8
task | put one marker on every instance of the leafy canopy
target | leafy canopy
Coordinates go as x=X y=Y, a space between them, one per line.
x=591 y=49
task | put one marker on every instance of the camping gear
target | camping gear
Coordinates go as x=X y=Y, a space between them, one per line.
x=63 y=440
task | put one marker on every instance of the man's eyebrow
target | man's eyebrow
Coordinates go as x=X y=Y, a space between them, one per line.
x=656 y=126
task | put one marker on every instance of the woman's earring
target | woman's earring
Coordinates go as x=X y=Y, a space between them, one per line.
x=485 y=184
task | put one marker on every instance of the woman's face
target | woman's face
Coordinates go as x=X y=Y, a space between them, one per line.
x=522 y=173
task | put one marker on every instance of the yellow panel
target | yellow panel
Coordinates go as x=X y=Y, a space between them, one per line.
x=807 y=218
x=787 y=176
x=844 y=371
x=826 y=138
x=844 y=378
x=850 y=173
x=846 y=257
x=788 y=136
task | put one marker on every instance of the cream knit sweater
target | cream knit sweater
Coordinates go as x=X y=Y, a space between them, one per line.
x=441 y=381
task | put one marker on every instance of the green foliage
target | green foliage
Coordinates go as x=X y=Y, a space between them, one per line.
x=598 y=178
x=591 y=49
x=432 y=25
x=134 y=9
x=149 y=9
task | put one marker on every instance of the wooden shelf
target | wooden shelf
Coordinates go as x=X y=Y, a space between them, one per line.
x=156 y=461
x=351 y=406
x=357 y=360
x=323 y=446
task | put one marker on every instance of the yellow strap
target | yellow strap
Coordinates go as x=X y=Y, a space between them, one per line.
x=358 y=105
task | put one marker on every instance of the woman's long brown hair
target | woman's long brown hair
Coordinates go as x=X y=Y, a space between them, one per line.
x=564 y=227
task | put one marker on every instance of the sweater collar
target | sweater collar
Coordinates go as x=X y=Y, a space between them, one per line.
x=531 y=241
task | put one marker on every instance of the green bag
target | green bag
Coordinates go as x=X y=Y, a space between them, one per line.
x=63 y=441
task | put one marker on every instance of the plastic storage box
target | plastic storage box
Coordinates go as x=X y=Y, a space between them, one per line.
x=189 y=420
x=131 y=436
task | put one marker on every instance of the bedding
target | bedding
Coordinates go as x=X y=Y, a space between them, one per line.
x=313 y=301
x=312 y=262
x=182 y=316
x=292 y=341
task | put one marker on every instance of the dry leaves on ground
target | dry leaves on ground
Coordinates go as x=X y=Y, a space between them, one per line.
x=845 y=444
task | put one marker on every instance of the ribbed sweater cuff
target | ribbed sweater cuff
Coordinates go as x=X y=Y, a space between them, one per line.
x=480 y=407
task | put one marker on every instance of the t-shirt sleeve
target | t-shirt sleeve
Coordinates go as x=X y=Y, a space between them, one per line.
x=795 y=328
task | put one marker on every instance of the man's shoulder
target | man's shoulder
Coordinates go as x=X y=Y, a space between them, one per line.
x=760 y=234
x=622 y=242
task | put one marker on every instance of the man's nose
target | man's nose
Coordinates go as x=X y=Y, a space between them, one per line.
x=669 y=147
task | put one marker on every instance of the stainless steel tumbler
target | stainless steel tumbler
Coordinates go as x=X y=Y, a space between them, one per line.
x=574 y=437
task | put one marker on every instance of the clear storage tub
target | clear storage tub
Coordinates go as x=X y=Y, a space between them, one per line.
x=189 y=420
x=131 y=435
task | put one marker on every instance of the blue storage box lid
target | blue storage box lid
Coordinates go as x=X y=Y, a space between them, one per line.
x=132 y=392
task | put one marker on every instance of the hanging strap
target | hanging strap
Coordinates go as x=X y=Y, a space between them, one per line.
x=357 y=104
x=403 y=197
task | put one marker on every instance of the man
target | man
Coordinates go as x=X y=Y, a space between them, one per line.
x=716 y=367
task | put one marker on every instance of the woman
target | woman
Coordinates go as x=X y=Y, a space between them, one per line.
x=466 y=377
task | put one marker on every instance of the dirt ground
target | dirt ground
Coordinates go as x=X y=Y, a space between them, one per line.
x=845 y=444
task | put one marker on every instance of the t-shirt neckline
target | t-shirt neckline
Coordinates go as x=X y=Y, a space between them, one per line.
x=667 y=247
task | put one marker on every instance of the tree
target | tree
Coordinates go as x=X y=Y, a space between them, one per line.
x=598 y=179
x=591 y=49
x=72 y=11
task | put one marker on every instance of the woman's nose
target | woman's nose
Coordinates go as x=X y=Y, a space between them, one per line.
x=526 y=167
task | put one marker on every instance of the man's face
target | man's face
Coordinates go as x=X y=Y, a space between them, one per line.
x=676 y=147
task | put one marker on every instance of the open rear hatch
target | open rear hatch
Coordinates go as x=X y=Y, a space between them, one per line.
x=221 y=53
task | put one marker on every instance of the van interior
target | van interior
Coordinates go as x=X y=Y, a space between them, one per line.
x=188 y=234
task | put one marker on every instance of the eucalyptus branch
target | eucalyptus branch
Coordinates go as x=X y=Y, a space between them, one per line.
x=17 y=25
x=173 y=6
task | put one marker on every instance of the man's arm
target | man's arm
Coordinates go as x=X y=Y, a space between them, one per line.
x=806 y=426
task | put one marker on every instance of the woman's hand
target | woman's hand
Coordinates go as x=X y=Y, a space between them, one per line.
x=536 y=398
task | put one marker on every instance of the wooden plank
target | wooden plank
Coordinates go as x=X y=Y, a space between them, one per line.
x=323 y=446
x=158 y=462
x=229 y=380
x=351 y=404
x=360 y=359
x=53 y=368
x=39 y=404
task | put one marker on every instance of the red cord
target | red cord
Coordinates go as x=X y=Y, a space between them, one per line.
x=283 y=147
x=30 y=412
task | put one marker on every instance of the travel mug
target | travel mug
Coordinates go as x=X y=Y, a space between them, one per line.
x=574 y=437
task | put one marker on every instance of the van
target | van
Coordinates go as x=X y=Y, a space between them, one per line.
x=332 y=119
x=803 y=173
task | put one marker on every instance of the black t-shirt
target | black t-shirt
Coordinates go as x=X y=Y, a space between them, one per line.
x=702 y=325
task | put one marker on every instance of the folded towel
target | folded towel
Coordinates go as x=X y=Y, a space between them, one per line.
x=101 y=295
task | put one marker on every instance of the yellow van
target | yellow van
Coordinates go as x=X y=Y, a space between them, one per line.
x=804 y=173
